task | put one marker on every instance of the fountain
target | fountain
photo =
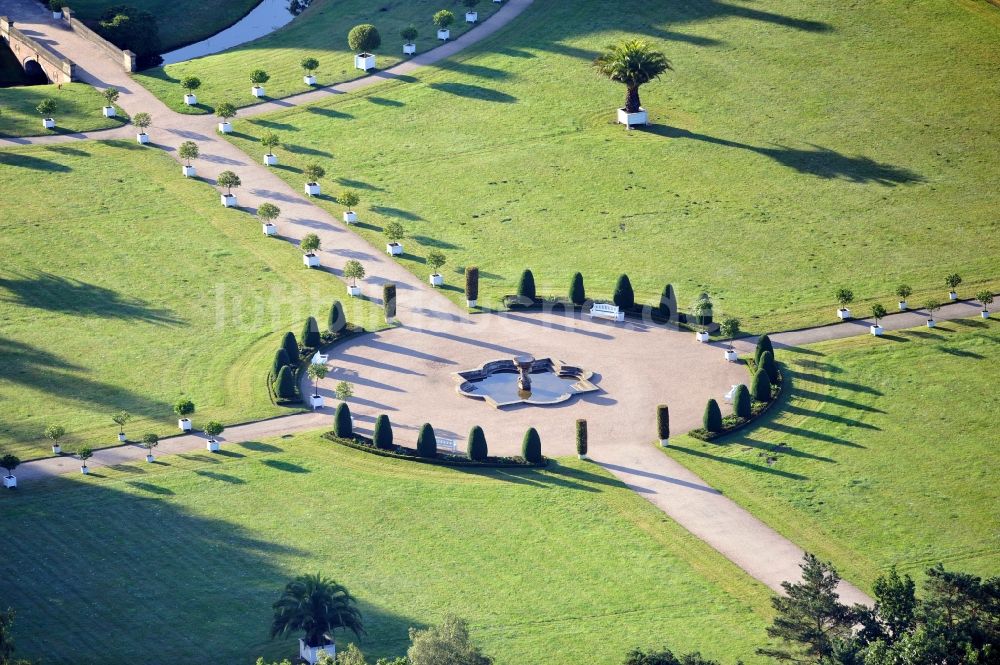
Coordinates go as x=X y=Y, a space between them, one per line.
x=523 y=365
x=524 y=380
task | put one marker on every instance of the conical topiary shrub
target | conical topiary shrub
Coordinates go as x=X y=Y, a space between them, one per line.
x=531 y=446
x=581 y=437
x=767 y=364
x=577 y=294
x=427 y=442
x=526 y=287
x=291 y=347
x=284 y=384
x=760 y=386
x=336 y=321
x=668 y=303
x=476 y=447
x=712 y=420
x=310 y=334
x=382 y=436
x=281 y=359
x=741 y=401
x=624 y=295
x=763 y=344
x=663 y=423
x=343 y=425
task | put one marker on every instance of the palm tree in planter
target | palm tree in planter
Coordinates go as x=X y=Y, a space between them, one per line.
x=188 y=151
x=435 y=260
x=84 y=453
x=353 y=270
x=363 y=40
x=443 y=19
x=730 y=327
x=844 y=297
x=142 y=121
x=54 y=433
x=267 y=213
x=149 y=441
x=903 y=291
x=9 y=463
x=258 y=78
x=270 y=141
x=110 y=96
x=349 y=199
x=394 y=232
x=120 y=419
x=228 y=179
x=184 y=408
x=317 y=373
x=471 y=15
x=931 y=306
x=986 y=298
x=310 y=245
x=953 y=280
x=317 y=606
x=313 y=173
x=226 y=111
x=878 y=312
x=213 y=429
x=190 y=84
x=309 y=66
x=703 y=315
x=47 y=107
x=409 y=35
x=632 y=63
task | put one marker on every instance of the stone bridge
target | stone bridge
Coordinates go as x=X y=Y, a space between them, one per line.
x=34 y=55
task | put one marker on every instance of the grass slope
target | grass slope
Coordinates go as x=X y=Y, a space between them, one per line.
x=885 y=453
x=794 y=150
x=188 y=554
x=320 y=32
x=127 y=286
x=78 y=109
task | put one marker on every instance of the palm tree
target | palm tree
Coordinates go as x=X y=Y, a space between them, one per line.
x=317 y=606
x=632 y=63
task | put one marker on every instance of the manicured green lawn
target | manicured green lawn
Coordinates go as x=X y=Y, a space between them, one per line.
x=127 y=286
x=884 y=455
x=560 y=566
x=793 y=151
x=320 y=32
x=78 y=109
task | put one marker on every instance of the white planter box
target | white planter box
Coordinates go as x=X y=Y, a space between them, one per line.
x=10 y=482
x=184 y=424
x=150 y=458
x=903 y=306
x=309 y=79
x=630 y=119
x=409 y=49
x=316 y=401
x=470 y=303
x=931 y=323
x=56 y=449
x=228 y=200
x=189 y=171
x=702 y=336
x=350 y=217
x=876 y=330
x=121 y=437
x=190 y=99
x=444 y=35
x=270 y=160
x=313 y=189
x=471 y=17
x=311 y=654
x=109 y=111
x=48 y=123
x=985 y=314
x=269 y=229
x=436 y=280
x=393 y=249
x=225 y=127
x=142 y=138
x=844 y=314
x=84 y=469
x=212 y=446
x=354 y=291
x=364 y=61
x=731 y=356
x=257 y=91
x=952 y=295
x=57 y=16
x=310 y=260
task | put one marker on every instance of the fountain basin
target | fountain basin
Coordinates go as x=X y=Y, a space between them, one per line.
x=496 y=383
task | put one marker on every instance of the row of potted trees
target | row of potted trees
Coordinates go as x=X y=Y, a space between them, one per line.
x=845 y=297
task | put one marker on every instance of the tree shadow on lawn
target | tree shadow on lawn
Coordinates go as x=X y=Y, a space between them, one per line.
x=328 y=113
x=303 y=150
x=738 y=462
x=470 y=69
x=470 y=91
x=553 y=475
x=31 y=162
x=396 y=212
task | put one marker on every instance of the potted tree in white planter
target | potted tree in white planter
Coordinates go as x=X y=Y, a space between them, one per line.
x=435 y=260
x=931 y=306
x=149 y=441
x=443 y=19
x=228 y=179
x=730 y=327
x=878 y=312
x=313 y=173
x=270 y=141
x=632 y=63
x=471 y=15
x=142 y=121
x=55 y=6
x=409 y=35
x=184 y=408
x=316 y=606
x=844 y=297
x=903 y=291
x=363 y=39
x=317 y=373
x=188 y=151
x=120 y=419
x=84 y=453
x=258 y=78
x=54 y=433
x=986 y=298
x=309 y=66
x=9 y=463
x=225 y=110
x=267 y=213
x=47 y=107
x=213 y=429
x=309 y=246
x=349 y=199
x=394 y=232
x=353 y=271
x=702 y=310
x=953 y=280
x=110 y=96
x=190 y=84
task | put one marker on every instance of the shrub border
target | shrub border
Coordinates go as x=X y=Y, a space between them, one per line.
x=329 y=341
x=738 y=423
x=644 y=313
x=365 y=444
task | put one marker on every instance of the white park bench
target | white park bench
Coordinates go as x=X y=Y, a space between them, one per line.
x=447 y=444
x=603 y=310
x=732 y=393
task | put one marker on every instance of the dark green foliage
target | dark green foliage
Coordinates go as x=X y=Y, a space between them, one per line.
x=343 y=425
x=712 y=420
x=364 y=38
x=472 y=283
x=741 y=401
x=577 y=294
x=427 y=441
x=763 y=344
x=131 y=29
x=389 y=300
x=668 y=303
x=317 y=606
x=310 y=334
x=9 y=462
x=662 y=422
x=767 y=364
x=624 y=295
x=284 y=384
x=476 y=447
x=280 y=360
x=291 y=346
x=531 y=446
x=6 y=634
x=336 y=321
x=581 y=436
x=760 y=386
x=526 y=287
x=382 y=436
x=665 y=657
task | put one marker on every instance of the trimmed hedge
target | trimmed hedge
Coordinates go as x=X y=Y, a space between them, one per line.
x=472 y=283
x=409 y=454
x=767 y=364
x=760 y=385
x=343 y=425
x=284 y=385
x=310 y=334
x=427 y=442
x=624 y=295
x=281 y=359
x=763 y=344
x=668 y=302
x=526 y=286
x=531 y=446
x=735 y=422
x=389 y=300
x=712 y=420
x=476 y=447
x=291 y=346
x=741 y=402
x=336 y=321
x=577 y=294
x=382 y=436
x=581 y=437
x=662 y=422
